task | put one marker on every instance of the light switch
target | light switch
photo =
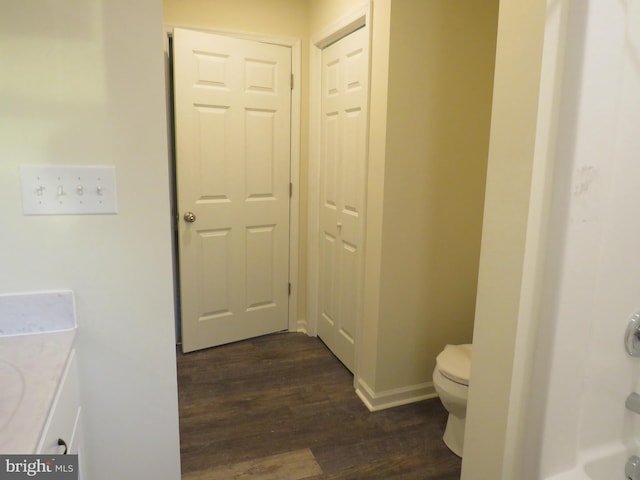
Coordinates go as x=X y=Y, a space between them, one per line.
x=68 y=190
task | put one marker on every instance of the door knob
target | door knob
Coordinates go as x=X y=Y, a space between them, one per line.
x=189 y=217
x=632 y=336
x=62 y=443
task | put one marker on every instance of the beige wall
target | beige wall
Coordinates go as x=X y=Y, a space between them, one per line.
x=86 y=88
x=274 y=17
x=278 y=18
x=441 y=58
x=511 y=155
x=323 y=13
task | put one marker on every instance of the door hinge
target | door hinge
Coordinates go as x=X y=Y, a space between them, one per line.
x=292 y=81
x=289 y=288
x=290 y=189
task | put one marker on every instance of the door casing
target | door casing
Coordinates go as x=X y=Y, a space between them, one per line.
x=359 y=18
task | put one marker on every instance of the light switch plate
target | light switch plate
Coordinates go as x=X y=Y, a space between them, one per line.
x=68 y=190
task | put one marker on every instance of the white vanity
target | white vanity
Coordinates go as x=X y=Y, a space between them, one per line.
x=40 y=408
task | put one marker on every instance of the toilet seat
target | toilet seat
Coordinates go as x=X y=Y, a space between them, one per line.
x=454 y=363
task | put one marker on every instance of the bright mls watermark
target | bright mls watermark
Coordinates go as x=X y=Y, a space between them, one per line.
x=50 y=467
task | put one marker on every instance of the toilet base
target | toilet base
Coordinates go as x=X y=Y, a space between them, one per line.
x=454 y=434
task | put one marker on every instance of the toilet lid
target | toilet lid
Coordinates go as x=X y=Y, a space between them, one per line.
x=454 y=362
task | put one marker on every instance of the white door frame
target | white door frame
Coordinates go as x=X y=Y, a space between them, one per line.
x=519 y=414
x=361 y=17
x=295 y=324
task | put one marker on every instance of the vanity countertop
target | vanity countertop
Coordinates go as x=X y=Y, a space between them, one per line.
x=31 y=367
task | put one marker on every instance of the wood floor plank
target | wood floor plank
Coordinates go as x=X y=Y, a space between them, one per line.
x=286 y=393
x=296 y=465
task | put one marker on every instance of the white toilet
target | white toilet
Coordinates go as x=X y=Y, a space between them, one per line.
x=451 y=381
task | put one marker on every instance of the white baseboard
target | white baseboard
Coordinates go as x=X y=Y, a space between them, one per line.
x=395 y=397
x=301 y=326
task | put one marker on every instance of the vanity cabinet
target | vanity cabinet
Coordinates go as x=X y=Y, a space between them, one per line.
x=62 y=432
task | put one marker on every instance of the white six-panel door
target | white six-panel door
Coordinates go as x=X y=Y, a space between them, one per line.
x=232 y=117
x=342 y=192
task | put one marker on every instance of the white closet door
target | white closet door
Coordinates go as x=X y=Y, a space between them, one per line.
x=343 y=160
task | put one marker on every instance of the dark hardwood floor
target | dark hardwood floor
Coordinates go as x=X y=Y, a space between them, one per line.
x=283 y=407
